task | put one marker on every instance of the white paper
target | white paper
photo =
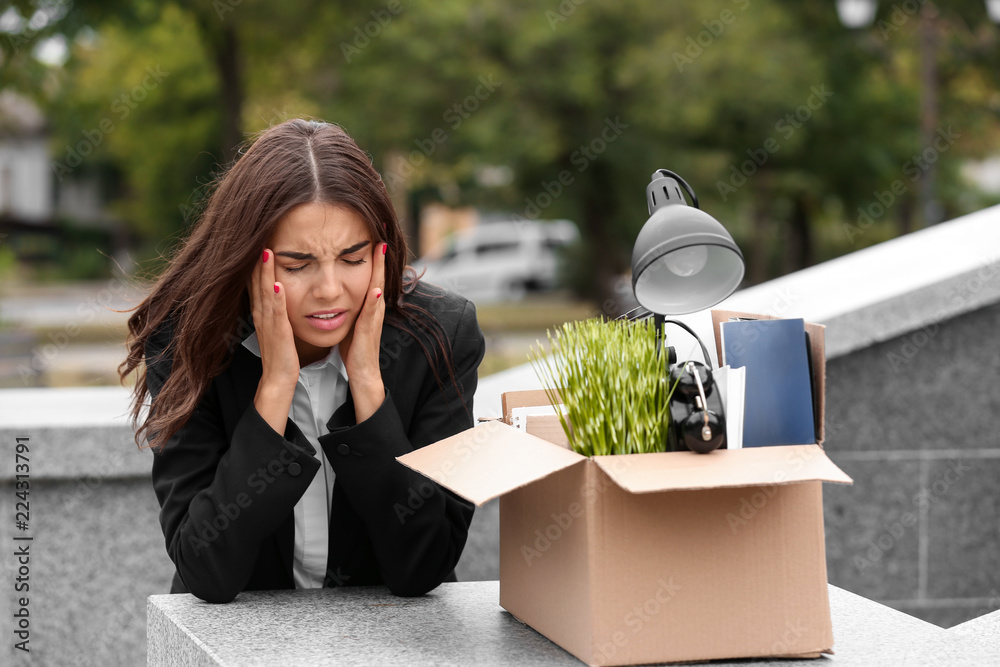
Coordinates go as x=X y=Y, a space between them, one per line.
x=731 y=384
x=519 y=416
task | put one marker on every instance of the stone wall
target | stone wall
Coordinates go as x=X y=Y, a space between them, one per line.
x=914 y=421
x=97 y=551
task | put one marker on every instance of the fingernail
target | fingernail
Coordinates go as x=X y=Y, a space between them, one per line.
x=276 y=288
x=385 y=246
x=266 y=255
x=379 y=295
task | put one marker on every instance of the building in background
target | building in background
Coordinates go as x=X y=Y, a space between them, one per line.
x=42 y=217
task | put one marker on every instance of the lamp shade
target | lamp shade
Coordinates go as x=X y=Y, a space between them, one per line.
x=683 y=260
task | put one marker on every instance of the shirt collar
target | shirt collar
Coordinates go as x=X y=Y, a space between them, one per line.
x=333 y=358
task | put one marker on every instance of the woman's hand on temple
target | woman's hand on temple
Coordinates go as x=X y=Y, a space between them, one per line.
x=277 y=345
x=360 y=349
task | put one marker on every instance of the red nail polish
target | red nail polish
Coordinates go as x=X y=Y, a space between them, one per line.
x=379 y=295
x=266 y=255
x=276 y=289
x=385 y=246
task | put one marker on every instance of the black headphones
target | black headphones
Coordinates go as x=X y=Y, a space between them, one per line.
x=698 y=419
x=697 y=416
x=702 y=429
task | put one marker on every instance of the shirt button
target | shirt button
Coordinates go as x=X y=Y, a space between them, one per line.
x=294 y=469
x=343 y=449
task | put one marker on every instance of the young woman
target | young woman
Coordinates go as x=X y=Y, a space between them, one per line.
x=290 y=356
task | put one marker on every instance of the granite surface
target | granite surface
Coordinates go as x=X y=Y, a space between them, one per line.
x=77 y=433
x=913 y=421
x=872 y=529
x=930 y=389
x=463 y=624
x=964 y=530
x=891 y=289
x=985 y=629
x=96 y=555
x=480 y=559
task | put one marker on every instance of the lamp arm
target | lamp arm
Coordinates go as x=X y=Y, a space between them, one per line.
x=644 y=313
x=704 y=350
x=684 y=184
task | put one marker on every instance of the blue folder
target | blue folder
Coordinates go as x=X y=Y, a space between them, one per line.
x=779 y=400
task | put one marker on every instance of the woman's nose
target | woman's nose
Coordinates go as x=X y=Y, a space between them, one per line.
x=327 y=286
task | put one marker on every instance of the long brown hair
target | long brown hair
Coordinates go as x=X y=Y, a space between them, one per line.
x=203 y=290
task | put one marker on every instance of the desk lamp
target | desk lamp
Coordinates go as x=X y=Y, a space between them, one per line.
x=684 y=261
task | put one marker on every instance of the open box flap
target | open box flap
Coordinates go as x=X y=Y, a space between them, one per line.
x=756 y=466
x=489 y=460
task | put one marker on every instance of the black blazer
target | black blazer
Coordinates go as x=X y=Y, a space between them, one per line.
x=227 y=483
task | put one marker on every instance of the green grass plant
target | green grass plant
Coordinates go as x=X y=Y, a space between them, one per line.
x=612 y=377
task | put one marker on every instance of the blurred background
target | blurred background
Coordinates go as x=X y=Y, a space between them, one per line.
x=517 y=138
x=810 y=129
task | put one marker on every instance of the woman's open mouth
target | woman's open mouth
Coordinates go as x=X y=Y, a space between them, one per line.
x=327 y=321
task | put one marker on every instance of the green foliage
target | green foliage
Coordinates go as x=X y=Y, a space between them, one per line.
x=697 y=87
x=612 y=377
x=8 y=265
x=143 y=99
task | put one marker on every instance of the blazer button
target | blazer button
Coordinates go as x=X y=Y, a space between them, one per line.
x=294 y=469
x=343 y=449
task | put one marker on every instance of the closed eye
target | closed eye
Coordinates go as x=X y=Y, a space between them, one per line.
x=293 y=269
x=355 y=262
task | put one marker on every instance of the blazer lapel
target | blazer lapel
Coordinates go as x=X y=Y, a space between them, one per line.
x=246 y=372
x=245 y=369
x=286 y=531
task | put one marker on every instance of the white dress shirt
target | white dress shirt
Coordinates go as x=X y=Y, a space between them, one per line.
x=321 y=389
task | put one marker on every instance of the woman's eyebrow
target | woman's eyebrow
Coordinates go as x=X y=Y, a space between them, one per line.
x=354 y=248
x=294 y=254
x=291 y=254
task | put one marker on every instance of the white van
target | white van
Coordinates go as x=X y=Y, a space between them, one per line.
x=501 y=261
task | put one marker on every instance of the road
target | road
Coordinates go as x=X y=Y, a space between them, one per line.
x=79 y=338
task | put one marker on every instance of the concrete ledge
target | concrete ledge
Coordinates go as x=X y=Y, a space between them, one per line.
x=169 y=640
x=889 y=289
x=985 y=629
x=82 y=432
x=463 y=624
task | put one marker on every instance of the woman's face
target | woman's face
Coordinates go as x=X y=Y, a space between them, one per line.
x=323 y=260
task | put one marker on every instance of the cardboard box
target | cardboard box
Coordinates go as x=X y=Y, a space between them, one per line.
x=645 y=558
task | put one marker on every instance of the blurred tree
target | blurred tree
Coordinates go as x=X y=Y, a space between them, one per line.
x=156 y=92
x=587 y=100
x=866 y=154
x=787 y=124
x=139 y=97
